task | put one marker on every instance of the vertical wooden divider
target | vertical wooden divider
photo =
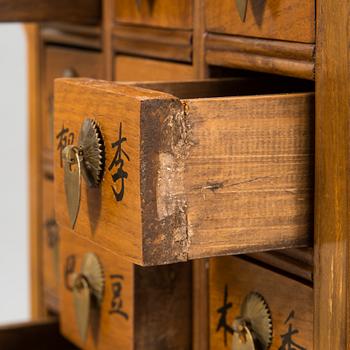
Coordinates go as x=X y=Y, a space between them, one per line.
x=107 y=24
x=200 y=292
x=35 y=171
x=332 y=177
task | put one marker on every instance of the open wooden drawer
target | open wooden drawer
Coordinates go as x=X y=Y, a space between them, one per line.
x=201 y=169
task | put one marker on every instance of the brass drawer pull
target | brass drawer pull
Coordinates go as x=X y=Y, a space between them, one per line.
x=242 y=8
x=252 y=329
x=87 y=285
x=86 y=159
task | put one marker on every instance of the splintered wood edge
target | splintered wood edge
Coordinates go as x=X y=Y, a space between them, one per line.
x=164 y=135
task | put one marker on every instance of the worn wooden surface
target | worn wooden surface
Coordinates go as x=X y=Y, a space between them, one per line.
x=128 y=68
x=283 y=296
x=256 y=193
x=197 y=197
x=156 y=13
x=174 y=45
x=157 y=302
x=78 y=11
x=292 y=20
x=35 y=335
x=332 y=292
x=61 y=62
x=262 y=55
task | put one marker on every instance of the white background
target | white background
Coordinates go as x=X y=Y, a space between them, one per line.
x=14 y=251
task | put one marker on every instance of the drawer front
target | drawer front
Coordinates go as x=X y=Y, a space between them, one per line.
x=50 y=248
x=190 y=178
x=63 y=62
x=129 y=68
x=290 y=303
x=290 y=20
x=141 y=308
x=159 y=13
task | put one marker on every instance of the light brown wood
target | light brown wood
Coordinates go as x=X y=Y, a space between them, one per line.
x=156 y=302
x=213 y=176
x=175 y=45
x=34 y=169
x=270 y=56
x=78 y=11
x=332 y=292
x=290 y=20
x=58 y=63
x=283 y=296
x=157 y=13
x=129 y=68
x=34 y=335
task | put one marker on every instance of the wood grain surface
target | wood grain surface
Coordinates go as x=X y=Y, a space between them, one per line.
x=173 y=45
x=156 y=303
x=292 y=20
x=156 y=13
x=261 y=55
x=77 y=11
x=286 y=298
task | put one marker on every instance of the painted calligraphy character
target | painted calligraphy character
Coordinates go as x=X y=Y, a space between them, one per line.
x=65 y=138
x=223 y=311
x=117 y=302
x=287 y=338
x=118 y=162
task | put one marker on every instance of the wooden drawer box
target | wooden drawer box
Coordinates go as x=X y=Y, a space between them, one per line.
x=290 y=303
x=192 y=176
x=290 y=20
x=175 y=14
x=64 y=62
x=141 y=308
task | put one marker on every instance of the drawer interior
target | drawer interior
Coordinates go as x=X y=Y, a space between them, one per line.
x=229 y=87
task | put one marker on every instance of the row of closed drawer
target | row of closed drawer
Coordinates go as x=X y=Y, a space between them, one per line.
x=151 y=307
x=272 y=19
